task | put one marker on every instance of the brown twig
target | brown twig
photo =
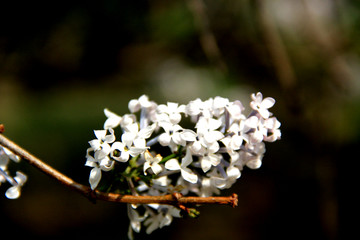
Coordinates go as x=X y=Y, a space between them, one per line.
x=170 y=199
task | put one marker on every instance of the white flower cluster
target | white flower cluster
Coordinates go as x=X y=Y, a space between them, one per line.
x=16 y=182
x=158 y=156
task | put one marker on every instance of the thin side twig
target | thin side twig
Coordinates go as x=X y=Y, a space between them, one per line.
x=175 y=199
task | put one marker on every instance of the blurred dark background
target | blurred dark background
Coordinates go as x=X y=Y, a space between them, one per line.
x=63 y=62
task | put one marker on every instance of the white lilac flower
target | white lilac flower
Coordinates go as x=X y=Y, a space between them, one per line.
x=163 y=218
x=18 y=181
x=143 y=102
x=208 y=187
x=273 y=125
x=235 y=110
x=135 y=136
x=14 y=191
x=197 y=107
x=260 y=131
x=219 y=105
x=208 y=133
x=224 y=179
x=127 y=120
x=237 y=134
x=101 y=144
x=186 y=173
x=172 y=110
x=172 y=134
x=162 y=181
x=135 y=221
x=121 y=152
x=197 y=148
x=209 y=160
x=112 y=121
x=152 y=162
x=253 y=155
x=262 y=105
x=98 y=164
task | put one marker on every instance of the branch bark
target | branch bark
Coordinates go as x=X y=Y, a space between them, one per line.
x=176 y=199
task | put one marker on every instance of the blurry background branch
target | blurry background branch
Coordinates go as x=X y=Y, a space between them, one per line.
x=207 y=38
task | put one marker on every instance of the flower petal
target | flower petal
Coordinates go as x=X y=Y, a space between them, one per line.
x=134 y=105
x=175 y=118
x=156 y=168
x=187 y=159
x=110 y=137
x=94 y=178
x=146 y=167
x=100 y=134
x=254 y=163
x=113 y=119
x=164 y=139
x=135 y=151
x=147 y=131
x=13 y=192
x=205 y=164
x=172 y=164
x=188 y=175
x=20 y=178
x=268 y=102
x=251 y=122
x=233 y=172
x=264 y=113
x=188 y=135
x=214 y=159
x=177 y=138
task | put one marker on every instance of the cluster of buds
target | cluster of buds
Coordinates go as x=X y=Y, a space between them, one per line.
x=16 y=182
x=194 y=149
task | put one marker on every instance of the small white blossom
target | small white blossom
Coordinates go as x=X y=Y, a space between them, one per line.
x=235 y=110
x=18 y=181
x=143 y=102
x=135 y=136
x=172 y=110
x=208 y=187
x=102 y=163
x=261 y=105
x=237 y=135
x=163 y=218
x=260 y=131
x=273 y=125
x=172 y=135
x=254 y=154
x=208 y=134
x=121 y=152
x=112 y=121
x=219 y=105
x=186 y=173
x=197 y=107
x=101 y=144
x=209 y=160
x=152 y=162
x=135 y=220
x=14 y=191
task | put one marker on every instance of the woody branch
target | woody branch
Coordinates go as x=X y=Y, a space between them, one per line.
x=176 y=199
